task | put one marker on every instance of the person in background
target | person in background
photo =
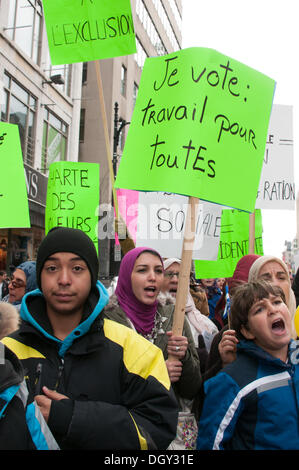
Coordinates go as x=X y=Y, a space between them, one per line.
x=99 y=385
x=202 y=328
x=137 y=304
x=23 y=280
x=243 y=406
x=3 y=285
x=9 y=319
x=295 y=287
x=199 y=296
x=220 y=281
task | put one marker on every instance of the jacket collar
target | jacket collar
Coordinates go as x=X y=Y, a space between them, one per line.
x=250 y=348
x=33 y=311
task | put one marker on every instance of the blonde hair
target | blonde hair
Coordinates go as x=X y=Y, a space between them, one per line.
x=254 y=276
x=9 y=319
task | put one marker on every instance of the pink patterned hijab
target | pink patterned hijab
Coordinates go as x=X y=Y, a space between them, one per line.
x=141 y=315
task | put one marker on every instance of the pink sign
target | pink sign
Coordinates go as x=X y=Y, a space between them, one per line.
x=128 y=208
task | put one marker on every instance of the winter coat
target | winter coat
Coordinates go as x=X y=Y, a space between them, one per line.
x=252 y=404
x=22 y=426
x=190 y=381
x=118 y=389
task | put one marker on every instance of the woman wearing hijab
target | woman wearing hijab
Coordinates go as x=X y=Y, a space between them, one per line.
x=135 y=305
x=23 y=280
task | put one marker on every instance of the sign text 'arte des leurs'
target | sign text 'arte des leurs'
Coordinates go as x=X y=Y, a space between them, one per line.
x=86 y=30
x=199 y=128
x=73 y=197
x=14 y=207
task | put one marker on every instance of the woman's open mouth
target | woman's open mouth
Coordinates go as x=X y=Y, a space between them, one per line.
x=150 y=290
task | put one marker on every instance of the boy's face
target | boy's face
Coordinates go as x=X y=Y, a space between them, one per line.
x=65 y=282
x=269 y=326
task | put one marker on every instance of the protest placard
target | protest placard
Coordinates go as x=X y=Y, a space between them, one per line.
x=128 y=207
x=73 y=197
x=87 y=30
x=234 y=243
x=14 y=207
x=161 y=219
x=199 y=128
x=277 y=185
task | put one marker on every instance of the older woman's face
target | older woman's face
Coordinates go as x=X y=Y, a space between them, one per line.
x=17 y=286
x=171 y=279
x=273 y=272
x=147 y=278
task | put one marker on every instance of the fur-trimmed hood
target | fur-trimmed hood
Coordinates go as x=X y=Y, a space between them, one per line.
x=164 y=298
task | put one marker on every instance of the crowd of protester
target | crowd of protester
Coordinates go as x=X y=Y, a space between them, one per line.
x=83 y=367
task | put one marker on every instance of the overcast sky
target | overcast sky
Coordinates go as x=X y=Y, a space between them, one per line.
x=262 y=34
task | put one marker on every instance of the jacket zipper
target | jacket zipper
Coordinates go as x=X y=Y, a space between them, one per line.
x=60 y=371
x=37 y=382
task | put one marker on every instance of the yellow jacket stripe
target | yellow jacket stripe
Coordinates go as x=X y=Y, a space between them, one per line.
x=142 y=441
x=21 y=350
x=140 y=356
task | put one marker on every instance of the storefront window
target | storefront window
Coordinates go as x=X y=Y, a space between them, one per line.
x=19 y=108
x=24 y=25
x=54 y=140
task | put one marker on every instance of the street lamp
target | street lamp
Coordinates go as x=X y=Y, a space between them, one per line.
x=115 y=251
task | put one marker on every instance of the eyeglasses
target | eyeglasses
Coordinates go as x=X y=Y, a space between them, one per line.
x=171 y=274
x=16 y=284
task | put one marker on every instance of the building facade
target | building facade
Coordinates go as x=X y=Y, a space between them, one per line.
x=57 y=108
x=158 y=26
x=44 y=101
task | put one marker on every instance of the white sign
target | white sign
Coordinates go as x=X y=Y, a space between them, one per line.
x=277 y=186
x=161 y=225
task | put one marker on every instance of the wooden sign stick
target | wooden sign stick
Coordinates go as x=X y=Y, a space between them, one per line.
x=126 y=243
x=251 y=233
x=185 y=267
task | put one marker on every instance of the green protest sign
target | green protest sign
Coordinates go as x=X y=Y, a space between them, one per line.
x=14 y=208
x=86 y=30
x=73 y=197
x=199 y=128
x=233 y=245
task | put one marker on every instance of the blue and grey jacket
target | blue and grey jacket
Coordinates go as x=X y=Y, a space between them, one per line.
x=22 y=426
x=118 y=391
x=252 y=403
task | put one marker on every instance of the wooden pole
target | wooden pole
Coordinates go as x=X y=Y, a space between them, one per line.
x=121 y=229
x=185 y=267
